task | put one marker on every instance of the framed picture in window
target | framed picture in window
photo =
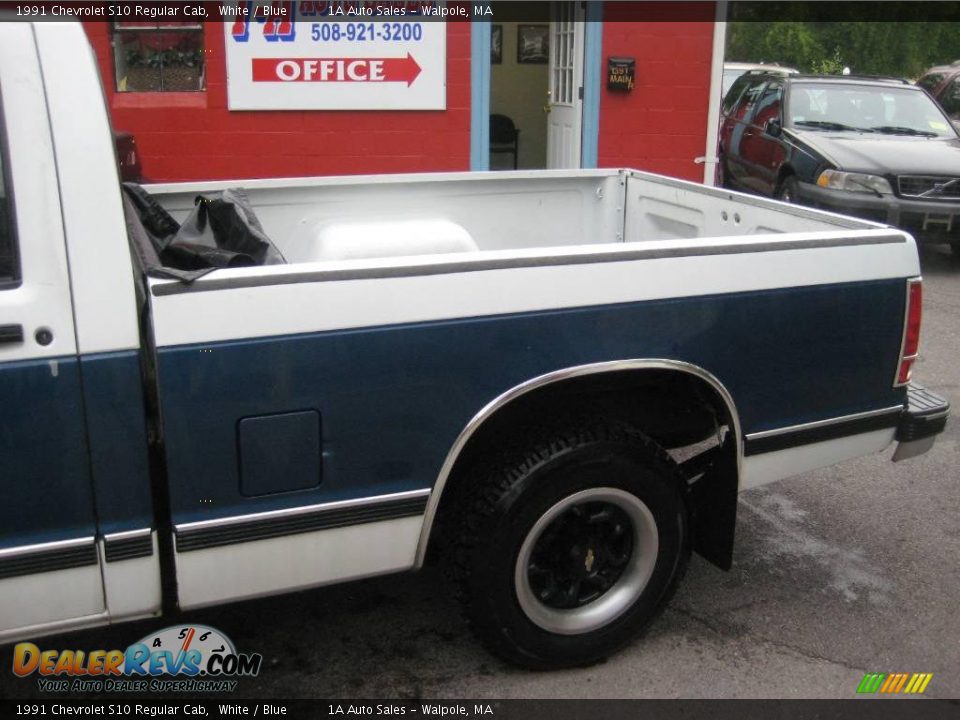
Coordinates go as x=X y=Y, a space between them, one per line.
x=533 y=44
x=496 y=44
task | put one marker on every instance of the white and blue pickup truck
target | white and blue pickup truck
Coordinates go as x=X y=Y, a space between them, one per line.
x=555 y=382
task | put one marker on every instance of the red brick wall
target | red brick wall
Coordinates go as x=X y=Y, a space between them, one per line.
x=192 y=136
x=660 y=126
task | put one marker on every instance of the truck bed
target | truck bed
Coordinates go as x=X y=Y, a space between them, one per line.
x=410 y=303
x=356 y=218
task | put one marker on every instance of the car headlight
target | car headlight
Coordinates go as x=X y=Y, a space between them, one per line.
x=854 y=182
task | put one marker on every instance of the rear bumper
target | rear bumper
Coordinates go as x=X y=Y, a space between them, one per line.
x=779 y=453
x=924 y=417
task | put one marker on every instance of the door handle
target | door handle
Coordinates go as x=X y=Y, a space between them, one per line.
x=11 y=334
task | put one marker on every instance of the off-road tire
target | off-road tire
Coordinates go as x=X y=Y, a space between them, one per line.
x=505 y=503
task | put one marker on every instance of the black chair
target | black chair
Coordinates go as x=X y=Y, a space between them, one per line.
x=504 y=137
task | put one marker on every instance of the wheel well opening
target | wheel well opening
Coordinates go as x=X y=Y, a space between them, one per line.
x=682 y=412
x=785 y=172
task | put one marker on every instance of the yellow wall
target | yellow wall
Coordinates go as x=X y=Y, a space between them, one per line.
x=520 y=92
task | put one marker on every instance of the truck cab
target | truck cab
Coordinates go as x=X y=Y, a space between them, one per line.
x=79 y=540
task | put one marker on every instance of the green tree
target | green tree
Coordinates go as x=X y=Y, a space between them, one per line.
x=904 y=48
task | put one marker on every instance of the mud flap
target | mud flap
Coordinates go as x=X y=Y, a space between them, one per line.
x=713 y=502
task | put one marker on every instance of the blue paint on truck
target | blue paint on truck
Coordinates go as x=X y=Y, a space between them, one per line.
x=393 y=399
x=45 y=492
x=116 y=428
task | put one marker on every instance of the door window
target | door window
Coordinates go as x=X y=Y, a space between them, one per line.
x=747 y=102
x=734 y=93
x=768 y=106
x=564 y=48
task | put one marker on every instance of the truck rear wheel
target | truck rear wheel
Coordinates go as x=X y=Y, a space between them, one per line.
x=570 y=550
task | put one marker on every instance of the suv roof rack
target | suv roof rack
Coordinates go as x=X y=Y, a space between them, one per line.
x=881 y=78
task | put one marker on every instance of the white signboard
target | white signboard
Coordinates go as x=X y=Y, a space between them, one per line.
x=335 y=56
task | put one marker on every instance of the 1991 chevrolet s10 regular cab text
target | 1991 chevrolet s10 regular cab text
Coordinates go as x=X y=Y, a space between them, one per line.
x=556 y=382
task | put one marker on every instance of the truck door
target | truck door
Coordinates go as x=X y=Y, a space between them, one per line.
x=50 y=574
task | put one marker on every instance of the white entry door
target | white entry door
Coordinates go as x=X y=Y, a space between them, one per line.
x=565 y=102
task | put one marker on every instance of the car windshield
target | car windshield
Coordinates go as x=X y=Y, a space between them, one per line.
x=865 y=108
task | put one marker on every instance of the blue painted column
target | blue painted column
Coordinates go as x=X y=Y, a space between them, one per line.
x=592 y=84
x=480 y=95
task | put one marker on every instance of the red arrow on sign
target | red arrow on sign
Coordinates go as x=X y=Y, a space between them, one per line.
x=336 y=70
x=400 y=69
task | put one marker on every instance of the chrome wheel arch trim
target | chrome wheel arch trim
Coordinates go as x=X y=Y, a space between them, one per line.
x=499 y=402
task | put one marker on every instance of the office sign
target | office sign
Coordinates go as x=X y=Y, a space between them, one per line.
x=336 y=56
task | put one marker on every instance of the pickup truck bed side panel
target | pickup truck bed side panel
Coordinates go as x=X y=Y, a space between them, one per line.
x=211 y=574
x=421 y=382
x=315 y=297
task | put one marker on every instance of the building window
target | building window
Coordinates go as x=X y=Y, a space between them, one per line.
x=158 y=57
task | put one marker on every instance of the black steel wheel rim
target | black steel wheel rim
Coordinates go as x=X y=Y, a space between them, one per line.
x=581 y=555
x=586 y=560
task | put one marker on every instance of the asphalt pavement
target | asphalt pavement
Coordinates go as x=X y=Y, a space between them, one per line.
x=839 y=572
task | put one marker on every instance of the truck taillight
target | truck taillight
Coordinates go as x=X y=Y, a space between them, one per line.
x=911 y=330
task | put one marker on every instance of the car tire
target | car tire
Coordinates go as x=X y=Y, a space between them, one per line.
x=787 y=191
x=569 y=550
